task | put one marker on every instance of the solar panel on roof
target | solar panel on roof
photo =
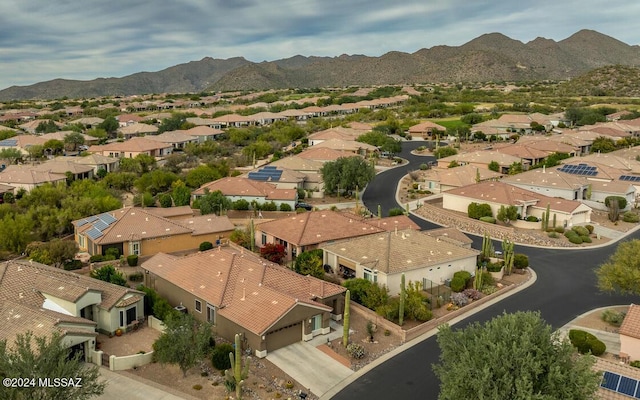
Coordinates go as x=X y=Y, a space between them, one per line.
x=8 y=142
x=621 y=384
x=82 y=222
x=610 y=381
x=630 y=178
x=93 y=233
x=100 y=225
x=627 y=386
x=108 y=218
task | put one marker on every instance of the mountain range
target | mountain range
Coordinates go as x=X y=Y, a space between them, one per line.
x=489 y=57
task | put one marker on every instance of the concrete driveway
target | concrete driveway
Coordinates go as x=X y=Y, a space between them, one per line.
x=120 y=385
x=310 y=367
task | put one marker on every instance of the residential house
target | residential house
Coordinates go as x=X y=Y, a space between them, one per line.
x=338 y=133
x=482 y=159
x=351 y=146
x=88 y=122
x=526 y=153
x=308 y=230
x=309 y=168
x=383 y=257
x=239 y=293
x=438 y=180
x=43 y=299
x=528 y=203
x=204 y=133
x=21 y=143
x=590 y=183
x=5 y=189
x=133 y=230
x=630 y=334
x=452 y=235
x=137 y=129
x=239 y=188
x=283 y=178
x=95 y=161
x=176 y=139
x=65 y=168
x=133 y=147
x=27 y=178
x=426 y=129
x=128 y=119
x=180 y=212
x=31 y=126
x=61 y=135
x=232 y=121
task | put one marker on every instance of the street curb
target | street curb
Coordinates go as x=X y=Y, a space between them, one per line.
x=406 y=346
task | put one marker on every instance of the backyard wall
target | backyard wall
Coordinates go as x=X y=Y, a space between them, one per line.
x=155 y=323
x=129 y=362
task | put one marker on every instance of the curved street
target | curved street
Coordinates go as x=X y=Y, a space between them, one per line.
x=565 y=288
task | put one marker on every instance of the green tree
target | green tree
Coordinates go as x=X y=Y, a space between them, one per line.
x=54 y=146
x=621 y=272
x=15 y=232
x=180 y=193
x=55 y=252
x=512 y=357
x=184 y=341
x=97 y=133
x=11 y=155
x=212 y=202
x=46 y=357
x=310 y=263
x=178 y=121
x=108 y=273
x=603 y=145
x=109 y=125
x=382 y=141
x=346 y=173
x=444 y=151
x=47 y=127
x=154 y=182
x=73 y=140
x=507 y=214
x=515 y=168
x=200 y=175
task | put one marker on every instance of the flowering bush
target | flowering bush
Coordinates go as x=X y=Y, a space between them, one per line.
x=473 y=294
x=355 y=350
x=459 y=299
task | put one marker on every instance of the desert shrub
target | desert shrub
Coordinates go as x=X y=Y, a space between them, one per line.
x=466 y=275
x=132 y=260
x=459 y=299
x=285 y=207
x=72 y=265
x=473 y=294
x=488 y=289
x=532 y=218
x=355 y=350
x=423 y=314
x=585 y=342
x=559 y=229
x=220 y=356
x=477 y=211
x=585 y=239
x=270 y=206
x=415 y=185
x=389 y=311
x=112 y=252
x=424 y=167
x=575 y=239
x=96 y=258
x=613 y=317
x=553 y=235
x=520 y=261
x=495 y=267
x=240 y=204
x=622 y=202
x=580 y=230
x=487 y=279
x=458 y=284
x=635 y=364
x=489 y=220
x=136 y=277
x=396 y=211
x=204 y=246
x=197 y=387
x=630 y=216
x=570 y=233
x=590 y=228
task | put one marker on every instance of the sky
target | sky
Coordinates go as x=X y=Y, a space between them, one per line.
x=42 y=40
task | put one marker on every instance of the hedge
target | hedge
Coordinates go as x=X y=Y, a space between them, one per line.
x=490 y=220
x=622 y=202
x=585 y=342
x=630 y=216
x=580 y=230
x=477 y=211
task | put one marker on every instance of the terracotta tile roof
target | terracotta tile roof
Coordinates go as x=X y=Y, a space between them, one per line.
x=395 y=252
x=346 y=145
x=172 y=137
x=481 y=157
x=617 y=368
x=298 y=164
x=246 y=289
x=28 y=282
x=631 y=324
x=399 y=222
x=133 y=223
x=60 y=167
x=24 y=174
x=426 y=126
x=136 y=144
x=315 y=227
x=320 y=153
x=203 y=130
x=336 y=133
x=137 y=128
x=522 y=151
x=168 y=212
x=509 y=195
x=459 y=176
x=238 y=186
x=451 y=234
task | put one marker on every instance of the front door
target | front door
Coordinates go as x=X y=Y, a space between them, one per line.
x=316 y=324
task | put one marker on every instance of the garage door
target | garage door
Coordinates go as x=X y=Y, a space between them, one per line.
x=284 y=336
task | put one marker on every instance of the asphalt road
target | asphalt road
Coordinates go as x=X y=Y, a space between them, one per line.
x=565 y=288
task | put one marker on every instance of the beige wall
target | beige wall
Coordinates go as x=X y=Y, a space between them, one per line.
x=631 y=346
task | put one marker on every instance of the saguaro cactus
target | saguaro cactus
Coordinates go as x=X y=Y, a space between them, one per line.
x=403 y=294
x=509 y=255
x=237 y=374
x=345 y=319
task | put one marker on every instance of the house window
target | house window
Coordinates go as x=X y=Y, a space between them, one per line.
x=264 y=239
x=121 y=318
x=198 y=306
x=371 y=275
x=134 y=248
x=211 y=314
x=82 y=241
